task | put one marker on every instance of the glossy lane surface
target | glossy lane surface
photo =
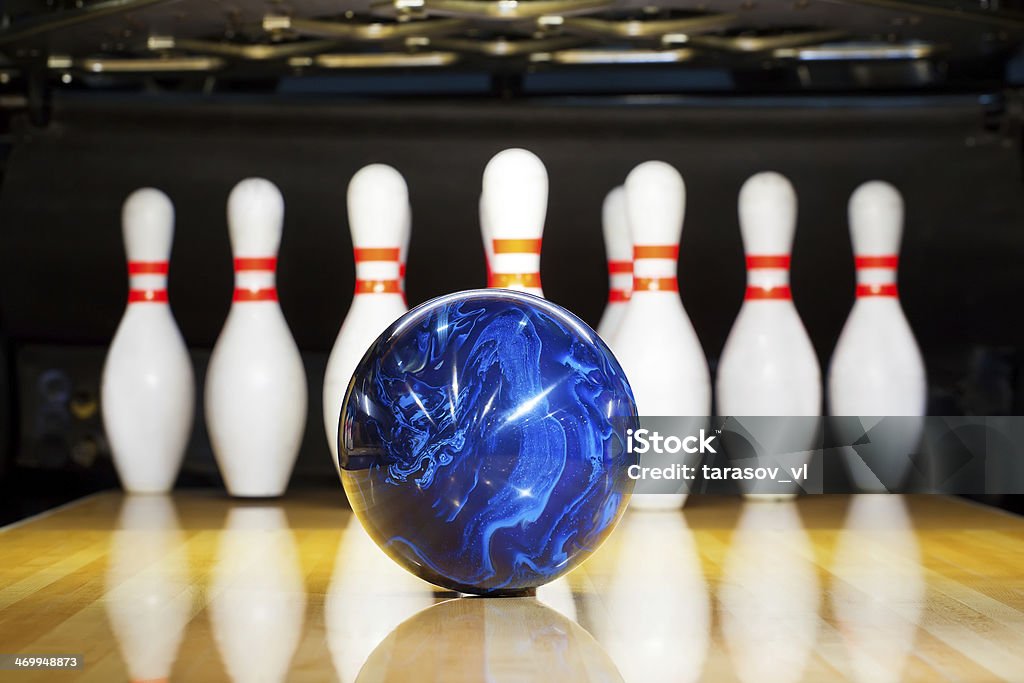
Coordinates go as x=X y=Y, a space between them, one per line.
x=197 y=587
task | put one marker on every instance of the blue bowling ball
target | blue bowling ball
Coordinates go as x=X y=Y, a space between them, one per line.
x=482 y=441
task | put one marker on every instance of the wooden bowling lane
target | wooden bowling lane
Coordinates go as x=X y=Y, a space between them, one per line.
x=197 y=587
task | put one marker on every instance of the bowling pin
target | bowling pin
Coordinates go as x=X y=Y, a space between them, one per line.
x=378 y=215
x=619 y=247
x=255 y=383
x=513 y=207
x=404 y=253
x=148 y=390
x=655 y=342
x=768 y=366
x=876 y=368
x=488 y=244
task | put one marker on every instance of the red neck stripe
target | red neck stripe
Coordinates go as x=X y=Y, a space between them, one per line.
x=147 y=267
x=378 y=287
x=618 y=296
x=768 y=261
x=517 y=246
x=655 y=284
x=658 y=251
x=620 y=267
x=781 y=293
x=888 y=261
x=377 y=254
x=267 y=263
x=507 y=280
x=877 y=290
x=245 y=295
x=147 y=296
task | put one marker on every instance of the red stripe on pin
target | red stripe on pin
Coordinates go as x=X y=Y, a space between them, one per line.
x=262 y=263
x=663 y=251
x=781 y=293
x=147 y=267
x=619 y=267
x=506 y=280
x=877 y=290
x=780 y=261
x=377 y=287
x=517 y=246
x=618 y=296
x=244 y=295
x=377 y=254
x=147 y=296
x=888 y=262
x=655 y=284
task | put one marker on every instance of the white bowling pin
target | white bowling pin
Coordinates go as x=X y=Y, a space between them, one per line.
x=655 y=342
x=148 y=390
x=378 y=214
x=485 y=234
x=149 y=596
x=768 y=366
x=877 y=367
x=257 y=597
x=404 y=253
x=513 y=207
x=619 y=247
x=255 y=383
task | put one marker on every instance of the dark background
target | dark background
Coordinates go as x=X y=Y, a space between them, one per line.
x=956 y=158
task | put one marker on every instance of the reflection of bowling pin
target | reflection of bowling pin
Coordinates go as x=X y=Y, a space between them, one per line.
x=770 y=596
x=148 y=394
x=513 y=206
x=877 y=369
x=256 y=384
x=368 y=597
x=558 y=596
x=258 y=601
x=768 y=366
x=378 y=215
x=657 y=613
x=879 y=589
x=498 y=641
x=619 y=247
x=655 y=342
x=149 y=597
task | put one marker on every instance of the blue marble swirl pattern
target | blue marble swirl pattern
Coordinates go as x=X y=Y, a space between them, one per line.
x=482 y=441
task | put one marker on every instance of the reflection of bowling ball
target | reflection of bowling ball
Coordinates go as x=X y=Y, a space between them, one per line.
x=482 y=441
x=470 y=639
